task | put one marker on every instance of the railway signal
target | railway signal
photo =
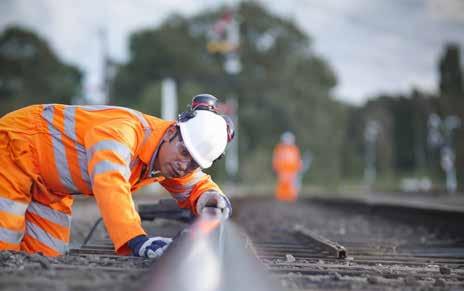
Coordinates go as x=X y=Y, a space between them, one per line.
x=440 y=136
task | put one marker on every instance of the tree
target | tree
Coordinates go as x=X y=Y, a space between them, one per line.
x=283 y=85
x=451 y=78
x=402 y=146
x=452 y=99
x=31 y=73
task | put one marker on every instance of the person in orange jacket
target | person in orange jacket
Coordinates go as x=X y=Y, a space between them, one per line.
x=287 y=164
x=48 y=153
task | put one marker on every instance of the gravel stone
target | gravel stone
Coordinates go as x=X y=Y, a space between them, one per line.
x=43 y=261
x=445 y=270
x=290 y=258
x=372 y=280
x=336 y=276
x=439 y=283
x=410 y=281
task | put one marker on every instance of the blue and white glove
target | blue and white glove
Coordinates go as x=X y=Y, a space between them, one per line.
x=153 y=247
x=214 y=199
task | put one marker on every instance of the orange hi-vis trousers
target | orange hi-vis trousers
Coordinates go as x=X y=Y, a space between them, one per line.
x=32 y=219
x=286 y=162
x=286 y=188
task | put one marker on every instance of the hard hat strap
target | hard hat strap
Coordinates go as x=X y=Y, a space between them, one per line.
x=174 y=135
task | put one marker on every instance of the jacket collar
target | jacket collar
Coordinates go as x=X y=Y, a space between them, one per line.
x=151 y=145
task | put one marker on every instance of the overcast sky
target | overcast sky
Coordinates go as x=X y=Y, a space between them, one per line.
x=374 y=46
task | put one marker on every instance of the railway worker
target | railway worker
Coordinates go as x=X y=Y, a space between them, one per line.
x=48 y=153
x=287 y=164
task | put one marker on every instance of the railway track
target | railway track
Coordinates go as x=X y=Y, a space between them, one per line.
x=350 y=257
x=302 y=258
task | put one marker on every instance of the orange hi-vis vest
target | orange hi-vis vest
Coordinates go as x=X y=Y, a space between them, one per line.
x=286 y=163
x=105 y=151
x=286 y=159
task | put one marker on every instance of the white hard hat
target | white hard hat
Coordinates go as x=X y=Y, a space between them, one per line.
x=288 y=137
x=205 y=136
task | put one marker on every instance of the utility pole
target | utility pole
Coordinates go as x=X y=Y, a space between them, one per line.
x=224 y=38
x=371 y=133
x=108 y=67
x=168 y=99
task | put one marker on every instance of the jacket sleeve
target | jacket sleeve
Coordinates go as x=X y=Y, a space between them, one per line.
x=186 y=190
x=299 y=160
x=277 y=159
x=110 y=147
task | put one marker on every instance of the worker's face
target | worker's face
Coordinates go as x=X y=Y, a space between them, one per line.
x=174 y=159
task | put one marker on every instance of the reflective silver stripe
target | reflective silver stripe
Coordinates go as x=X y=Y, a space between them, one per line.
x=70 y=122
x=82 y=159
x=10 y=236
x=47 y=113
x=45 y=238
x=181 y=196
x=11 y=206
x=60 y=160
x=107 y=166
x=70 y=131
x=146 y=133
x=196 y=178
x=50 y=214
x=137 y=114
x=59 y=152
x=187 y=188
x=121 y=149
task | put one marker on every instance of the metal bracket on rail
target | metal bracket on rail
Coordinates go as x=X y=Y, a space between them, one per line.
x=336 y=249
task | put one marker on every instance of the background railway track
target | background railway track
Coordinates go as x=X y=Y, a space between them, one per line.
x=303 y=262
x=302 y=258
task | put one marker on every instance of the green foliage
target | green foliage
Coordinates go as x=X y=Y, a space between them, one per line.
x=451 y=77
x=31 y=73
x=282 y=86
x=402 y=141
x=402 y=146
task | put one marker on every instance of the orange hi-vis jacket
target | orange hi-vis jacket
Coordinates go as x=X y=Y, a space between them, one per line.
x=286 y=163
x=50 y=152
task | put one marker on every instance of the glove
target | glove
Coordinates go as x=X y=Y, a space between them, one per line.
x=214 y=199
x=153 y=247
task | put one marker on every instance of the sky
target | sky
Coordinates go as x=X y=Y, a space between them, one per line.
x=374 y=46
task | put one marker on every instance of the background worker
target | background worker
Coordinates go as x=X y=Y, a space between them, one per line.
x=50 y=152
x=287 y=164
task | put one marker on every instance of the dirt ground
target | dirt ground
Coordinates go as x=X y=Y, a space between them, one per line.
x=267 y=219
x=263 y=220
x=20 y=271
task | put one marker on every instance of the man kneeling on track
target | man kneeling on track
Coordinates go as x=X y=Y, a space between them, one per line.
x=50 y=152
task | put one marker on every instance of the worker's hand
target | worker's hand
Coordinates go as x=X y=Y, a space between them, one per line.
x=153 y=247
x=214 y=199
